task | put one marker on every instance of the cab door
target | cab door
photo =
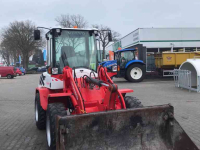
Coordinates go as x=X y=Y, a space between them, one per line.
x=4 y=71
x=124 y=58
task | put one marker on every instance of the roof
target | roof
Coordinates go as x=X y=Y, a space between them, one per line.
x=123 y=50
x=79 y=29
x=86 y=29
x=153 y=29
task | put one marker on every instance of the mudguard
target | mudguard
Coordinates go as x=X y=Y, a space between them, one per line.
x=44 y=92
x=148 y=128
x=134 y=61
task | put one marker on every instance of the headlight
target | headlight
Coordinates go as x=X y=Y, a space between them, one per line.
x=114 y=68
x=54 y=70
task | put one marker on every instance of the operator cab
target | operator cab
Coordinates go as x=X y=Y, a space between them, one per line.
x=124 y=56
x=71 y=47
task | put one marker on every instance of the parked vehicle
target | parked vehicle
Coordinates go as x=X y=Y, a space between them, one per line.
x=32 y=70
x=8 y=72
x=126 y=65
x=42 y=69
x=18 y=72
x=22 y=70
x=166 y=62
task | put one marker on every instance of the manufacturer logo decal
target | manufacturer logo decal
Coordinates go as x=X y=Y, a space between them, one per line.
x=169 y=58
x=111 y=65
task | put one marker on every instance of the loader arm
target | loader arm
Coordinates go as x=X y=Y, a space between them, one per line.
x=70 y=85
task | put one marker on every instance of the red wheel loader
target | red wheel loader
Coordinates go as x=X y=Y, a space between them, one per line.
x=82 y=108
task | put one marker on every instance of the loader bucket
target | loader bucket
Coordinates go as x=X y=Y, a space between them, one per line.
x=148 y=128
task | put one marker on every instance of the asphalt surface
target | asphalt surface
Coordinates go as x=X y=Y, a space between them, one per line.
x=17 y=119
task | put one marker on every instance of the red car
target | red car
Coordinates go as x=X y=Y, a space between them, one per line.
x=18 y=72
x=8 y=72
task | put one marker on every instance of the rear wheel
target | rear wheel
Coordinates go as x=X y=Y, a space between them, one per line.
x=53 y=110
x=40 y=114
x=135 y=73
x=132 y=102
x=9 y=76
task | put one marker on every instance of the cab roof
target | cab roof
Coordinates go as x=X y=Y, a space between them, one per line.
x=82 y=29
x=73 y=29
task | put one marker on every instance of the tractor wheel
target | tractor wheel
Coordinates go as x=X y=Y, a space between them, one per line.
x=135 y=73
x=132 y=102
x=9 y=76
x=40 y=114
x=53 y=110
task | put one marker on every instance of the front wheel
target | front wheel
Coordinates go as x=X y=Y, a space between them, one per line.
x=132 y=102
x=40 y=114
x=135 y=73
x=9 y=76
x=53 y=110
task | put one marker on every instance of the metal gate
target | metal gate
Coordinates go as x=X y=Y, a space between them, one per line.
x=182 y=79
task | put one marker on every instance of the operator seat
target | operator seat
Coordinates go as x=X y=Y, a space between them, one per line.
x=67 y=57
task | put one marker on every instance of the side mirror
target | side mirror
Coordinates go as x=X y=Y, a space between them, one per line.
x=37 y=34
x=109 y=36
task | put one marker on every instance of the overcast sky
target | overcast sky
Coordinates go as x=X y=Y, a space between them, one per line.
x=123 y=16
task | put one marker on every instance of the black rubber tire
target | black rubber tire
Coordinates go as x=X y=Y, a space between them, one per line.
x=128 y=73
x=125 y=78
x=9 y=76
x=132 y=102
x=41 y=122
x=53 y=110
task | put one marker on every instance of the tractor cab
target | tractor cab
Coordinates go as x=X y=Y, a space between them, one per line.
x=71 y=47
x=123 y=57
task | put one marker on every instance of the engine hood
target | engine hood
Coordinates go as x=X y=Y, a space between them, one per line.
x=109 y=63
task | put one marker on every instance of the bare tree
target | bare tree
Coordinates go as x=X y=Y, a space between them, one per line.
x=18 y=37
x=8 y=47
x=5 y=54
x=69 y=21
x=103 y=37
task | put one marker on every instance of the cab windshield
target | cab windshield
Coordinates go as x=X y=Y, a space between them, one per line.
x=75 y=49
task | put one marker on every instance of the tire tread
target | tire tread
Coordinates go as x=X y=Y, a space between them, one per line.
x=41 y=124
x=53 y=110
x=132 y=102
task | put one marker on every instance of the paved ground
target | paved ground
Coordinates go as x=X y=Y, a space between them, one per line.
x=17 y=124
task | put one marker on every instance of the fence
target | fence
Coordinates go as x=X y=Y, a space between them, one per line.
x=182 y=79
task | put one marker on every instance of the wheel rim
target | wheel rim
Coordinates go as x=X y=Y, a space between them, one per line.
x=36 y=111
x=48 y=132
x=136 y=73
x=9 y=76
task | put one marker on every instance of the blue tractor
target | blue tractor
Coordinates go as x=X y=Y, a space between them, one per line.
x=126 y=65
